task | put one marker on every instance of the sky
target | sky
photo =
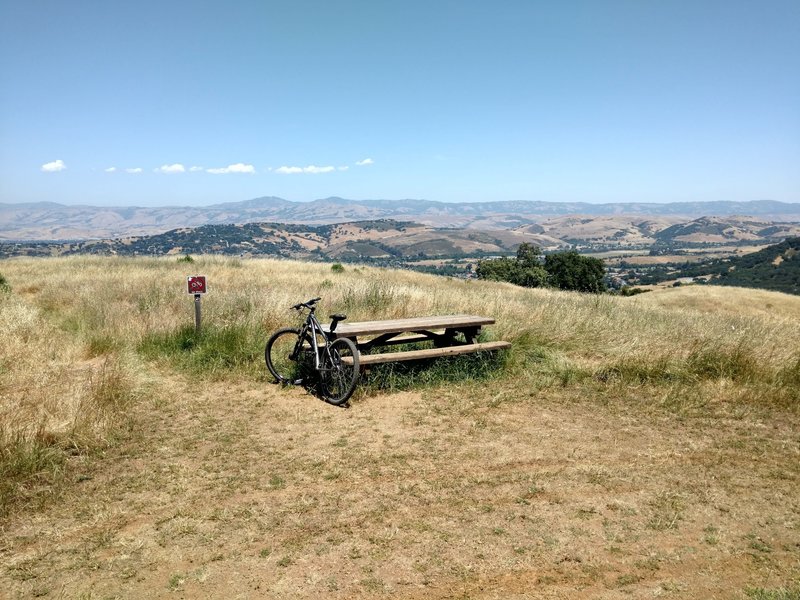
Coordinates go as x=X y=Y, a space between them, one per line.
x=193 y=103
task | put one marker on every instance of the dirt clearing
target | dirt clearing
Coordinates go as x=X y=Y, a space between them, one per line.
x=250 y=490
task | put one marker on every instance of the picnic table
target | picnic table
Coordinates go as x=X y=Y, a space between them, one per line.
x=451 y=334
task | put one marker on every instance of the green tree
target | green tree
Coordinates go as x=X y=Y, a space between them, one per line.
x=528 y=255
x=524 y=270
x=571 y=271
x=500 y=269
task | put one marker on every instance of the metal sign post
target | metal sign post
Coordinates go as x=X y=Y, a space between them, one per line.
x=196 y=284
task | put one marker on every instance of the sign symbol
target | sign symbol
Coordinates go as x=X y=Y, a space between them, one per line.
x=196 y=284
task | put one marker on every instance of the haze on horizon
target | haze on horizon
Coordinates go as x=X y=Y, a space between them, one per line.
x=193 y=103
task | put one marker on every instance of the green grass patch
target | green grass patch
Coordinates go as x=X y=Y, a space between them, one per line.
x=215 y=351
x=773 y=594
x=702 y=363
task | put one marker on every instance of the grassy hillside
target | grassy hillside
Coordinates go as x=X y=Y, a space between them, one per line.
x=776 y=267
x=625 y=446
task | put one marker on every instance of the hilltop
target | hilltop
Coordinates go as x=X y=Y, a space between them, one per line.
x=623 y=447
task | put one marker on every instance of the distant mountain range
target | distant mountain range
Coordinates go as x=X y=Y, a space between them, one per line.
x=51 y=221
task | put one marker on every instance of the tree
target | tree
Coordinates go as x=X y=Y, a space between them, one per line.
x=571 y=271
x=528 y=255
x=524 y=270
x=500 y=269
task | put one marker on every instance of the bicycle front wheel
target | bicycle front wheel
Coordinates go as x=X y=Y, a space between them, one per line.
x=340 y=371
x=287 y=359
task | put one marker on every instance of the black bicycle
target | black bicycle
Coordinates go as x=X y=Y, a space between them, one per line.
x=298 y=355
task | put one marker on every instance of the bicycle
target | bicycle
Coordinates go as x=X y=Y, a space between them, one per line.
x=295 y=355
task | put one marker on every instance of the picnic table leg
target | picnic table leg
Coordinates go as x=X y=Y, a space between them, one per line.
x=448 y=338
x=471 y=334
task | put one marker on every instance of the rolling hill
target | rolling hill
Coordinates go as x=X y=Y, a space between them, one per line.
x=776 y=267
x=51 y=221
x=343 y=241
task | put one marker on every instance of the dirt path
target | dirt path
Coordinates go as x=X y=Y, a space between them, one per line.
x=247 y=490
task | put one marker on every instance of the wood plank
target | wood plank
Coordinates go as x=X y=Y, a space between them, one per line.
x=373 y=359
x=412 y=324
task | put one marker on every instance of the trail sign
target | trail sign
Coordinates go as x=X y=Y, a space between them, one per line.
x=196 y=284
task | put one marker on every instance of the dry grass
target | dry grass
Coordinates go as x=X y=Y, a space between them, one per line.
x=641 y=446
x=727 y=301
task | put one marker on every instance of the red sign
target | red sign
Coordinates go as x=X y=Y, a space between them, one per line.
x=196 y=284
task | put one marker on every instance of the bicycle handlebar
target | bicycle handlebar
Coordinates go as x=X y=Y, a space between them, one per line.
x=308 y=304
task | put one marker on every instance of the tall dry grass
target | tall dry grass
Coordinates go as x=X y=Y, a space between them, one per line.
x=77 y=333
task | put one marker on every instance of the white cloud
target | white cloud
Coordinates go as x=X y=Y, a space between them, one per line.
x=196 y=169
x=54 y=167
x=365 y=162
x=237 y=168
x=314 y=169
x=288 y=170
x=135 y=170
x=111 y=169
x=344 y=168
x=170 y=169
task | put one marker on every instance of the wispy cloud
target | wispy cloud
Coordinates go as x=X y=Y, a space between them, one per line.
x=309 y=169
x=134 y=170
x=171 y=169
x=196 y=169
x=111 y=169
x=344 y=168
x=54 y=167
x=237 y=168
x=289 y=170
x=365 y=162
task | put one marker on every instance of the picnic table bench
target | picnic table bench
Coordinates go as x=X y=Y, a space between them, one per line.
x=443 y=331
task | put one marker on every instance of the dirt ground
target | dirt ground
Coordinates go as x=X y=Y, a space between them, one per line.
x=247 y=490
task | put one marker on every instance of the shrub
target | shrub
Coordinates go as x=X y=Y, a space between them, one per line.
x=186 y=259
x=4 y=287
x=337 y=268
x=632 y=291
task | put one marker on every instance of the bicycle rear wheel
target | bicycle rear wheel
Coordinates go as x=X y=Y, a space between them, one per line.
x=340 y=371
x=287 y=362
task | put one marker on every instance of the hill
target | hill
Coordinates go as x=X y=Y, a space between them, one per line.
x=723 y=230
x=620 y=449
x=51 y=221
x=388 y=239
x=345 y=241
x=776 y=267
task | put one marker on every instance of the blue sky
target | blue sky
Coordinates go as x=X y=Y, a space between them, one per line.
x=192 y=103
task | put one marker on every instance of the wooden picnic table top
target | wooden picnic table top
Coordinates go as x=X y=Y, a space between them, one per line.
x=411 y=324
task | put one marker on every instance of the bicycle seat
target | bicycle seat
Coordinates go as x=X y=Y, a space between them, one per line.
x=335 y=320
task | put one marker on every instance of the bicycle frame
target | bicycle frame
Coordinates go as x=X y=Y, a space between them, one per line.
x=313 y=327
